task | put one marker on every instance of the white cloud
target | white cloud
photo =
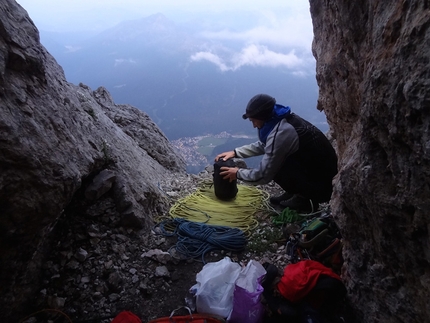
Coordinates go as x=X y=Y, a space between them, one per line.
x=292 y=32
x=254 y=55
x=71 y=49
x=277 y=40
x=259 y=55
x=120 y=61
x=207 y=56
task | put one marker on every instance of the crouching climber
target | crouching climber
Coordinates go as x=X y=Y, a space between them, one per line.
x=296 y=155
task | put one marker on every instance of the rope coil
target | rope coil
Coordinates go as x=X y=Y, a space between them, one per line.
x=203 y=223
x=204 y=207
x=195 y=240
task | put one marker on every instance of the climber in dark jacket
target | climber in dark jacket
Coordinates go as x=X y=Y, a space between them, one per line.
x=297 y=156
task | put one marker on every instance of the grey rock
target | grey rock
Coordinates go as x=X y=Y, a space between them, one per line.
x=160 y=241
x=132 y=271
x=108 y=264
x=372 y=72
x=57 y=137
x=72 y=264
x=81 y=255
x=114 y=297
x=114 y=281
x=162 y=271
x=159 y=255
x=101 y=184
x=56 y=302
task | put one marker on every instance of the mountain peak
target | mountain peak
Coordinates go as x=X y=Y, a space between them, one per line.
x=153 y=25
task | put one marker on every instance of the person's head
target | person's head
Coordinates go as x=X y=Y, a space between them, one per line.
x=257 y=123
x=259 y=109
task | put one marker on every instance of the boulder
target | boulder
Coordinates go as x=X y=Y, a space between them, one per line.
x=61 y=143
x=373 y=75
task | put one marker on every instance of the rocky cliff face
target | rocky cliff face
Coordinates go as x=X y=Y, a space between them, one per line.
x=64 y=149
x=373 y=68
x=67 y=150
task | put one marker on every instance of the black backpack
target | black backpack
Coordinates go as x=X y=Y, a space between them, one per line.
x=224 y=189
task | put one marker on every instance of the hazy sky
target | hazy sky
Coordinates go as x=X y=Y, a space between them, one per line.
x=280 y=36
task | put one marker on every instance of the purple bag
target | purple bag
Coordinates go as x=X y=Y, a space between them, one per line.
x=247 y=295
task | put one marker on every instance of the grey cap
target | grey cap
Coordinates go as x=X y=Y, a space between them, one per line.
x=260 y=107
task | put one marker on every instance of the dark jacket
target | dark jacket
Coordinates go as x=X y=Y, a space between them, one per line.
x=292 y=138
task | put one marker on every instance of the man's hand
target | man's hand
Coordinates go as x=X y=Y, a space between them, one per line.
x=229 y=173
x=226 y=155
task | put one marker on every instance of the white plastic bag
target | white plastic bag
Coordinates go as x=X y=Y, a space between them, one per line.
x=215 y=287
x=249 y=275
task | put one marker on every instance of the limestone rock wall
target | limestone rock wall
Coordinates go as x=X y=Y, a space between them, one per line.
x=373 y=63
x=64 y=147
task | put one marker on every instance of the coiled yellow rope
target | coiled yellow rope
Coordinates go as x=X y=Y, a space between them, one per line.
x=204 y=207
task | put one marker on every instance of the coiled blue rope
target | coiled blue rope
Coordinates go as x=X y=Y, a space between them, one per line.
x=197 y=239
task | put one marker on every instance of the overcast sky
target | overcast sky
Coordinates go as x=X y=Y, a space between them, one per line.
x=281 y=36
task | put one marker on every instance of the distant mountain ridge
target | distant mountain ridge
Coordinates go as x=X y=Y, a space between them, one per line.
x=147 y=63
x=152 y=31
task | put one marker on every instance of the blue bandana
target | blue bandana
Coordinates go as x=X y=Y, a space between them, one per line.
x=279 y=112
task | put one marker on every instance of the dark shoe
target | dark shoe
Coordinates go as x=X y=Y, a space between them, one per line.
x=300 y=204
x=278 y=199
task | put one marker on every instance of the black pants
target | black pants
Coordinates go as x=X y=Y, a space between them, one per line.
x=294 y=178
x=310 y=170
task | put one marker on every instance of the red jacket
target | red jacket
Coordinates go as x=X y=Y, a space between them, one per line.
x=300 y=278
